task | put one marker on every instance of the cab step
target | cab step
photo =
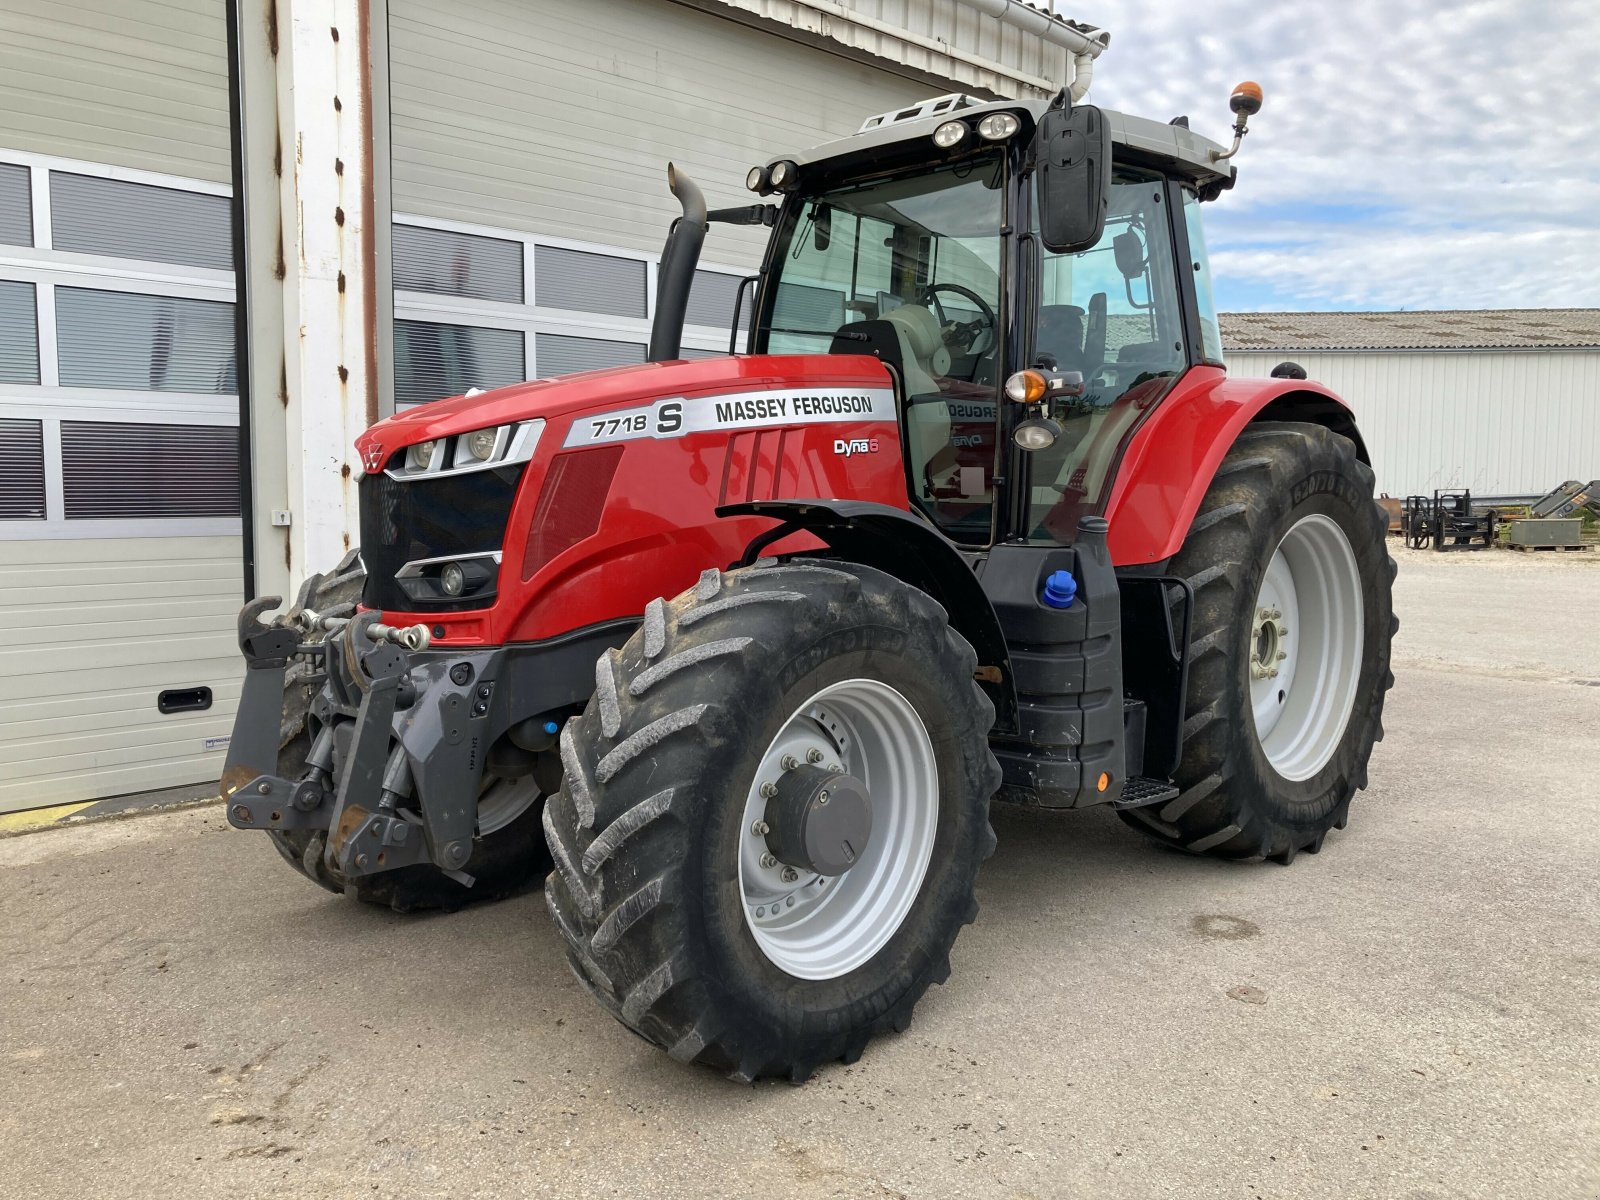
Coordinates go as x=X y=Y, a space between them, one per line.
x=1140 y=791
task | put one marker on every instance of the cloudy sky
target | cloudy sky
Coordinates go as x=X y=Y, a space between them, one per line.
x=1409 y=155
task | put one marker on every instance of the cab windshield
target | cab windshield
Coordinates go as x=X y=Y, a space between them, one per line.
x=921 y=255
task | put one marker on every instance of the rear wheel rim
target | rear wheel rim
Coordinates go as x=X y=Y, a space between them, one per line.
x=816 y=927
x=1305 y=647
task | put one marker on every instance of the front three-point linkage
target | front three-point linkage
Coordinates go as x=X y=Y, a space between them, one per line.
x=367 y=663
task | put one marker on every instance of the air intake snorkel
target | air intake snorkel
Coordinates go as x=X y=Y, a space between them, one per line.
x=676 y=274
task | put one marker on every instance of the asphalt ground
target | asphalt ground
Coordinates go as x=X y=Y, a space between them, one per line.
x=1411 y=1013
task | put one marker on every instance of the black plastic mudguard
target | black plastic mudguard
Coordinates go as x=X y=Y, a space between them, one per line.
x=905 y=546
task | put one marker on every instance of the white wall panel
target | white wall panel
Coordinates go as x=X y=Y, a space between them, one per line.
x=559 y=119
x=91 y=631
x=1497 y=422
x=132 y=83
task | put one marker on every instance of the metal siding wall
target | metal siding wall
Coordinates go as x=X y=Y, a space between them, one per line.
x=90 y=632
x=1500 y=423
x=132 y=83
x=559 y=118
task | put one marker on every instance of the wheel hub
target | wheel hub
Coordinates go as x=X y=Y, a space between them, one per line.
x=870 y=746
x=818 y=819
x=1268 y=643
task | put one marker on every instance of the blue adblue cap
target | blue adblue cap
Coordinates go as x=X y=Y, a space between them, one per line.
x=551 y=727
x=1060 y=589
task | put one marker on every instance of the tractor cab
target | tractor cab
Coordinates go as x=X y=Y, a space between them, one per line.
x=964 y=243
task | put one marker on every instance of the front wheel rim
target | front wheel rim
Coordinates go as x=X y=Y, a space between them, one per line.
x=816 y=927
x=1305 y=647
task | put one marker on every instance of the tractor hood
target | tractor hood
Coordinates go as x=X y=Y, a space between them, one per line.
x=558 y=400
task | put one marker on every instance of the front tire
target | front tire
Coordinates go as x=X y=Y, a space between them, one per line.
x=1289 y=649
x=677 y=914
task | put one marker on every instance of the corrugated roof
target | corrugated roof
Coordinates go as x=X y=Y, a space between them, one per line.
x=1483 y=329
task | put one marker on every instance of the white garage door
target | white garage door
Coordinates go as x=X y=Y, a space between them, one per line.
x=120 y=560
x=530 y=146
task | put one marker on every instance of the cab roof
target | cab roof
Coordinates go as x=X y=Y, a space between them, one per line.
x=1174 y=147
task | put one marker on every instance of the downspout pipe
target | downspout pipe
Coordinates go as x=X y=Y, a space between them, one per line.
x=675 y=276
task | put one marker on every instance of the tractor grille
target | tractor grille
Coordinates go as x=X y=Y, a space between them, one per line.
x=430 y=518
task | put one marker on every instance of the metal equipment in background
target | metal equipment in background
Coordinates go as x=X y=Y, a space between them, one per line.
x=1567 y=499
x=1447 y=521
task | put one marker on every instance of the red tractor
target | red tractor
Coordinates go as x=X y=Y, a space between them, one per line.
x=751 y=643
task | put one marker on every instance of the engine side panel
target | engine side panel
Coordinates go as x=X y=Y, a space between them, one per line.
x=1174 y=454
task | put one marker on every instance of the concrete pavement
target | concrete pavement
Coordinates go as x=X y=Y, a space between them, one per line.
x=1410 y=1014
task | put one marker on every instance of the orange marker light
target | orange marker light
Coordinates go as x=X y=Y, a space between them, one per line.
x=1026 y=387
x=1105 y=781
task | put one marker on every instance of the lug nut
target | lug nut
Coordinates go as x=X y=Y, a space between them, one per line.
x=789 y=762
x=813 y=755
x=768 y=790
x=768 y=861
x=835 y=768
x=790 y=875
x=761 y=829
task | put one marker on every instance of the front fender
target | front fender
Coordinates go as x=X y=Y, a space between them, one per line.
x=1173 y=456
x=903 y=545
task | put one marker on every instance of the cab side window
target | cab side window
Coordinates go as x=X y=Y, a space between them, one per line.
x=1112 y=314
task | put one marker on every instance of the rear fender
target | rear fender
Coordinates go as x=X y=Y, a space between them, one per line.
x=894 y=541
x=1174 y=455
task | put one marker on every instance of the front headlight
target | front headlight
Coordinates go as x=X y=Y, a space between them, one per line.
x=480 y=443
x=475 y=450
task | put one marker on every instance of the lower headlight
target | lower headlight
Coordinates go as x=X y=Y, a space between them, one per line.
x=420 y=455
x=1038 y=434
x=481 y=443
x=452 y=579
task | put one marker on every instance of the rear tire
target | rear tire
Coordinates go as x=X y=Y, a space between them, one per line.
x=1263 y=776
x=502 y=862
x=655 y=849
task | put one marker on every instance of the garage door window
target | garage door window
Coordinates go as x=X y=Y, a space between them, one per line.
x=21 y=470
x=598 y=283
x=560 y=355
x=19 y=333
x=433 y=359
x=16 y=206
x=114 y=470
x=91 y=214
x=137 y=342
x=445 y=263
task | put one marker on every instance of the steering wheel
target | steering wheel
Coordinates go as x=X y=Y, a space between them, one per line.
x=962 y=335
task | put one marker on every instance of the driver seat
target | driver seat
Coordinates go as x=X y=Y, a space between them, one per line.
x=923 y=357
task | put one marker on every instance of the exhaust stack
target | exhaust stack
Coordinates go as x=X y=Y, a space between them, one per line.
x=676 y=274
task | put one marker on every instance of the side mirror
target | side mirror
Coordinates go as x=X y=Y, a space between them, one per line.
x=1072 y=156
x=1128 y=250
